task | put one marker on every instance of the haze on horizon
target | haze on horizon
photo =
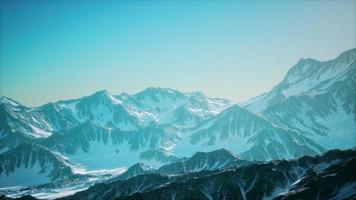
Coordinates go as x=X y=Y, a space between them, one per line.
x=231 y=49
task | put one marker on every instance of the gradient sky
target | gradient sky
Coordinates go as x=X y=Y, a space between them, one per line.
x=53 y=50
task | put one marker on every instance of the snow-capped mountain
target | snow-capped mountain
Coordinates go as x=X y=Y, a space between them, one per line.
x=30 y=164
x=104 y=109
x=124 y=111
x=315 y=98
x=151 y=106
x=310 y=77
x=143 y=123
x=286 y=179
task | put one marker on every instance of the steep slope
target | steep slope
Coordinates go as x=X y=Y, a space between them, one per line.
x=308 y=76
x=30 y=164
x=316 y=98
x=249 y=135
x=95 y=147
x=270 y=180
x=104 y=109
x=10 y=140
x=335 y=182
x=322 y=118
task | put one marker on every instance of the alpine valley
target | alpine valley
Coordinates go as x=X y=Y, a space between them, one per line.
x=296 y=141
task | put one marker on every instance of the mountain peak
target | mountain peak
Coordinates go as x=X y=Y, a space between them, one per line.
x=220 y=153
x=103 y=95
x=158 y=90
x=310 y=75
x=224 y=151
x=309 y=66
x=304 y=65
x=103 y=92
x=346 y=57
x=199 y=93
x=134 y=170
x=348 y=54
x=306 y=60
x=234 y=109
x=141 y=166
x=124 y=94
x=155 y=93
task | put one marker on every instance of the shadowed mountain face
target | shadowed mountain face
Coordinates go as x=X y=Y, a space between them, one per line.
x=31 y=164
x=163 y=133
x=302 y=178
x=202 y=161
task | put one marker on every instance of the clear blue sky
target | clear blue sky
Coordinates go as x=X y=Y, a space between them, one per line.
x=53 y=50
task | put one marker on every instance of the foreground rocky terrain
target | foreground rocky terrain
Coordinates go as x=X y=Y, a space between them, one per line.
x=328 y=176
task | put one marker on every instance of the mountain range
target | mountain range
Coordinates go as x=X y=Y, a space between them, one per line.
x=162 y=132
